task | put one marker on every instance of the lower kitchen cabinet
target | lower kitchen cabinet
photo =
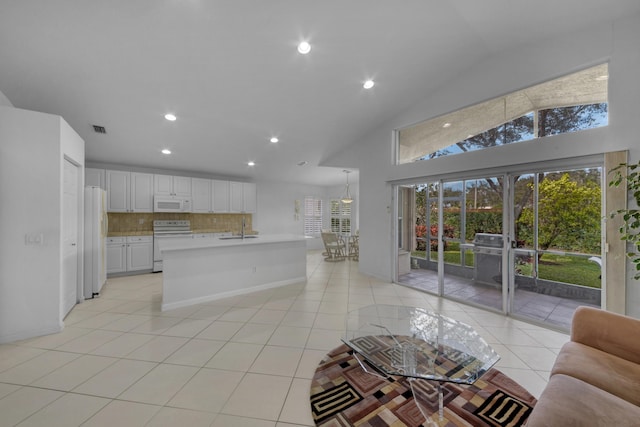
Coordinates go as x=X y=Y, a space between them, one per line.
x=131 y=253
x=116 y=254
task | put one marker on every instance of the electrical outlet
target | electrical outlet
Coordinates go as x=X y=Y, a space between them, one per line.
x=141 y=221
x=34 y=239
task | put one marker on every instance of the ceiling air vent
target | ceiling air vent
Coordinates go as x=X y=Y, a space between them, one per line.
x=99 y=129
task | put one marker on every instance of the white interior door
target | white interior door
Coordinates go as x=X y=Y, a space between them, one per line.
x=69 y=237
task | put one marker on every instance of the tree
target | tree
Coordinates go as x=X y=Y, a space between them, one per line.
x=568 y=215
x=558 y=120
x=551 y=121
x=630 y=229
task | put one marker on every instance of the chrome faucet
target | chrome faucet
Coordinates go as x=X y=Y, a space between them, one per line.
x=243 y=226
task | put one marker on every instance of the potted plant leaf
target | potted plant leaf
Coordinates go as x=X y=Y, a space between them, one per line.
x=630 y=229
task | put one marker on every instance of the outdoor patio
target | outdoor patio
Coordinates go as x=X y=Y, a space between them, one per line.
x=554 y=311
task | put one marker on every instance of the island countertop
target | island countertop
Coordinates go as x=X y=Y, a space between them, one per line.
x=177 y=244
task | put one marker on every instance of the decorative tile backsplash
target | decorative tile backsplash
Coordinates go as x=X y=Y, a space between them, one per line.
x=210 y=223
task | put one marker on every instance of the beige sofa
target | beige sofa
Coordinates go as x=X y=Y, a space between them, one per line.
x=595 y=380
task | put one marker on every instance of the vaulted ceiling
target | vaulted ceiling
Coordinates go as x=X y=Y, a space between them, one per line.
x=230 y=71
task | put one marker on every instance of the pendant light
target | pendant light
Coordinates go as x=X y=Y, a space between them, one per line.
x=346 y=198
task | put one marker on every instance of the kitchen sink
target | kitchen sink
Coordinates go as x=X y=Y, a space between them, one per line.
x=237 y=237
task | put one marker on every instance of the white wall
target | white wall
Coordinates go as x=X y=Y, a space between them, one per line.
x=276 y=208
x=31 y=156
x=615 y=43
x=4 y=101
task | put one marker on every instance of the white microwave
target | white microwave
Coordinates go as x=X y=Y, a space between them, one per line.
x=171 y=204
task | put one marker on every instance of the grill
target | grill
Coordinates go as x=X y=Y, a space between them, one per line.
x=487 y=259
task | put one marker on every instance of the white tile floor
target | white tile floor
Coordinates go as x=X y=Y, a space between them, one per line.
x=242 y=361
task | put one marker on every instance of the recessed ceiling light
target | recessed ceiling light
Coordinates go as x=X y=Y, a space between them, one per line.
x=446 y=125
x=252 y=163
x=302 y=163
x=304 y=47
x=166 y=151
x=170 y=117
x=274 y=139
x=368 y=84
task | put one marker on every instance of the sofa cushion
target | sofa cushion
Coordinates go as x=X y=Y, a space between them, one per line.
x=568 y=402
x=606 y=331
x=603 y=370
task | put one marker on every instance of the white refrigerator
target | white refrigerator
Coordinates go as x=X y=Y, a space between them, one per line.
x=95 y=241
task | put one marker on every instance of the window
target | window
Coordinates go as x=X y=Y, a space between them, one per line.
x=567 y=104
x=312 y=216
x=340 y=217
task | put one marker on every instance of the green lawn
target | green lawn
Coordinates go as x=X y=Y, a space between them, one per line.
x=557 y=268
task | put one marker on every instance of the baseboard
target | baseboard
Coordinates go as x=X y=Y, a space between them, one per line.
x=200 y=300
x=4 y=339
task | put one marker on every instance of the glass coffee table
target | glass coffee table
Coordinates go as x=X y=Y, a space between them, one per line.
x=415 y=343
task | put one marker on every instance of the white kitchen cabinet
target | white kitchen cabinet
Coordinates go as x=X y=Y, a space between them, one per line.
x=201 y=195
x=168 y=185
x=116 y=255
x=211 y=196
x=131 y=253
x=129 y=191
x=94 y=178
x=139 y=253
x=182 y=186
x=220 y=197
x=235 y=197
x=141 y=192
x=242 y=197
x=118 y=191
x=163 y=184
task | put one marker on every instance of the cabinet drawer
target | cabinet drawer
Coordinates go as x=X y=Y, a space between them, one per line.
x=139 y=239
x=115 y=240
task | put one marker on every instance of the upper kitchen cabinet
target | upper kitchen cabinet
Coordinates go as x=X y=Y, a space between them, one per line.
x=210 y=196
x=201 y=195
x=129 y=191
x=220 y=198
x=94 y=178
x=168 y=185
x=141 y=192
x=242 y=197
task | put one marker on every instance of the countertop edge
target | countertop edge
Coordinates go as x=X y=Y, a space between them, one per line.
x=175 y=245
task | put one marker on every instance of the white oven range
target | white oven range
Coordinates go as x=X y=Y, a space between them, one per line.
x=168 y=229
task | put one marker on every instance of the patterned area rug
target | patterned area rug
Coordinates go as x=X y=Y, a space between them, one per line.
x=342 y=394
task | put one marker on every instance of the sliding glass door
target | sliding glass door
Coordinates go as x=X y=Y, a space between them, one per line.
x=556 y=258
x=527 y=244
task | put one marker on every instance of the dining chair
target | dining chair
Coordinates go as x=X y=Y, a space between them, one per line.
x=334 y=247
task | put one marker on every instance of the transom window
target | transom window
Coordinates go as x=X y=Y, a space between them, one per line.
x=568 y=104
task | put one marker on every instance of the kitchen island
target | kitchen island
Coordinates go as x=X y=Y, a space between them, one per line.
x=200 y=270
